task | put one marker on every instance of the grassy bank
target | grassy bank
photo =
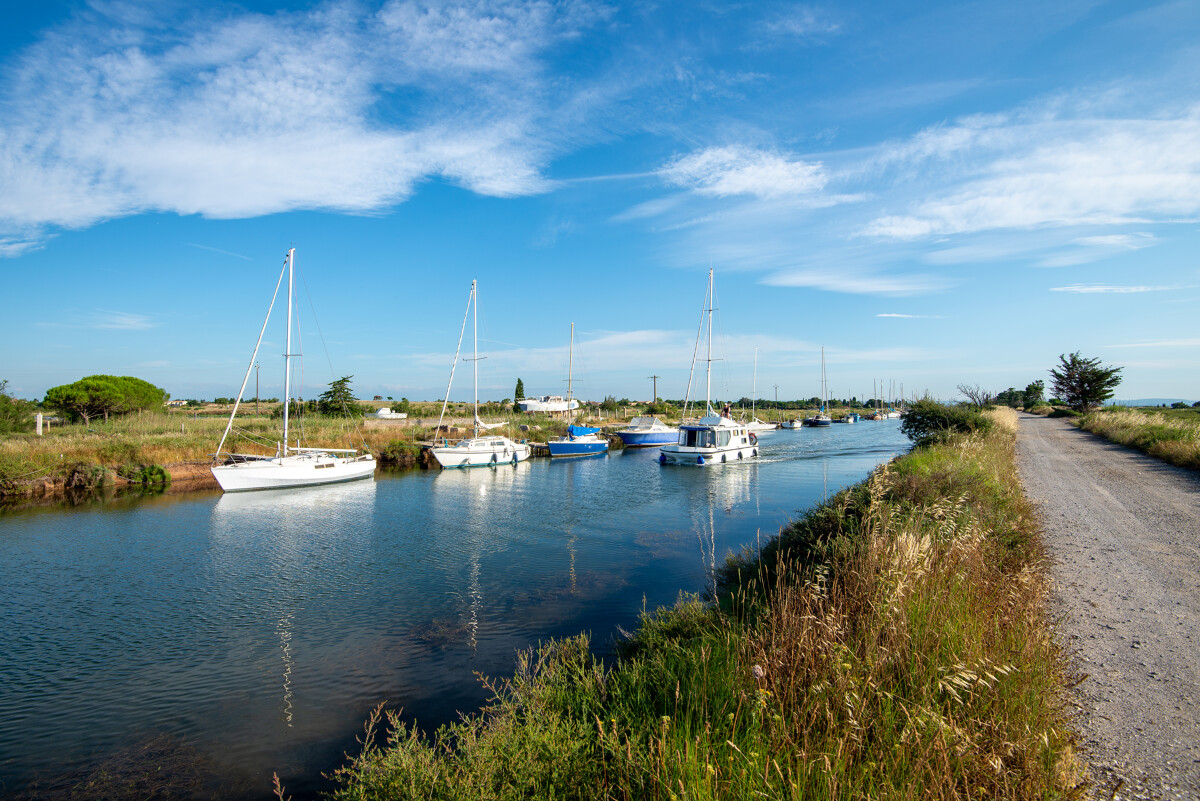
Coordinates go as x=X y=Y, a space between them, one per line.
x=1173 y=437
x=174 y=438
x=892 y=643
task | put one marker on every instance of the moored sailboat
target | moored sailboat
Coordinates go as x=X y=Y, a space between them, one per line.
x=580 y=440
x=713 y=439
x=476 y=451
x=290 y=466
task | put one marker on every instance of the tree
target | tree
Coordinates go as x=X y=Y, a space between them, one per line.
x=1083 y=383
x=1035 y=393
x=518 y=395
x=338 y=400
x=927 y=421
x=106 y=395
x=977 y=396
x=15 y=414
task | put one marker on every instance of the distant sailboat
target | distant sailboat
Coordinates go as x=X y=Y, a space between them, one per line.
x=755 y=424
x=580 y=440
x=487 y=451
x=821 y=418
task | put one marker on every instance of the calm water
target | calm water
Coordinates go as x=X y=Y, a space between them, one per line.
x=244 y=634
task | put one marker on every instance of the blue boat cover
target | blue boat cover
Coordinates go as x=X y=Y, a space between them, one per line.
x=579 y=431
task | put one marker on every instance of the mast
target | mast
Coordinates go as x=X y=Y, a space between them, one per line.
x=754 y=388
x=475 y=365
x=287 y=350
x=708 y=375
x=570 y=368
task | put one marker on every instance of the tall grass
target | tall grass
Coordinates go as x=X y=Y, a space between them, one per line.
x=1173 y=438
x=891 y=644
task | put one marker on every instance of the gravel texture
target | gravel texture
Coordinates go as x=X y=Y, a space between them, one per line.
x=1123 y=531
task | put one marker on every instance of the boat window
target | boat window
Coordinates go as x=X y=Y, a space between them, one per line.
x=722 y=438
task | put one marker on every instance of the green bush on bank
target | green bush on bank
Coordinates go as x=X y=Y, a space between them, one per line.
x=927 y=422
x=891 y=643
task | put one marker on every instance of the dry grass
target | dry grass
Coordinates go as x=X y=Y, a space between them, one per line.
x=892 y=644
x=1172 y=438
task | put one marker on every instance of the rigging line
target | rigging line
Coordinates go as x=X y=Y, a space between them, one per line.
x=457 y=351
x=695 y=353
x=253 y=359
x=328 y=360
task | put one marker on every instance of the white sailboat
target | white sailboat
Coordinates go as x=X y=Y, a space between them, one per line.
x=715 y=438
x=487 y=451
x=821 y=418
x=290 y=466
x=755 y=424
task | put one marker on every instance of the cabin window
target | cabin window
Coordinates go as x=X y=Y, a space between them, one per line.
x=722 y=438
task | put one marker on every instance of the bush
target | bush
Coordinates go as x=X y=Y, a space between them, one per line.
x=1062 y=412
x=15 y=414
x=928 y=422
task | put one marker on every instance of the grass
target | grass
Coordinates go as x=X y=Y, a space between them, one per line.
x=168 y=438
x=1170 y=435
x=892 y=643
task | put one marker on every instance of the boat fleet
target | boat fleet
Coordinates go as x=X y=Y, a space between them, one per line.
x=709 y=439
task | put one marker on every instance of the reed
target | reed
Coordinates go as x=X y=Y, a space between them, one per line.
x=1174 y=438
x=892 y=643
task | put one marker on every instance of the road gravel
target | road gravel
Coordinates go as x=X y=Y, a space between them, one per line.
x=1123 y=532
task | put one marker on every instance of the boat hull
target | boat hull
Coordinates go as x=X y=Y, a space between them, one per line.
x=308 y=470
x=647 y=439
x=701 y=457
x=577 y=447
x=489 y=452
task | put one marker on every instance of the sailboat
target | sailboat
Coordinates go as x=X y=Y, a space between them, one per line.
x=821 y=418
x=580 y=440
x=755 y=424
x=486 y=451
x=714 y=438
x=290 y=466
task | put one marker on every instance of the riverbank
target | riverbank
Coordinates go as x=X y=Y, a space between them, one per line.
x=893 y=642
x=1174 y=438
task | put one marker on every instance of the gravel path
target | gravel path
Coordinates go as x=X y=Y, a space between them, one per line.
x=1123 y=531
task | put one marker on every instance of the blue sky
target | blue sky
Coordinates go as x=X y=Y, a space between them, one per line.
x=937 y=193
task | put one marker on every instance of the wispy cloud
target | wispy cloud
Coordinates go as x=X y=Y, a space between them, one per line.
x=801 y=22
x=737 y=170
x=255 y=114
x=1109 y=289
x=912 y=316
x=1047 y=168
x=857 y=282
x=123 y=321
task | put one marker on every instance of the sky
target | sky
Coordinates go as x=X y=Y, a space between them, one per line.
x=931 y=194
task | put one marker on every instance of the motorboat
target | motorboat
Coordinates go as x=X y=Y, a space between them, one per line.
x=645 y=432
x=579 y=440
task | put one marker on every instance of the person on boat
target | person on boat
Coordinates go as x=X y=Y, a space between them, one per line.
x=727 y=412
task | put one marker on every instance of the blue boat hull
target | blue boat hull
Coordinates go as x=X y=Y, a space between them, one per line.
x=646 y=439
x=558 y=448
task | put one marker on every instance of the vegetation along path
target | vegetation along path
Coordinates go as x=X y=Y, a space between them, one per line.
x=1123 y=530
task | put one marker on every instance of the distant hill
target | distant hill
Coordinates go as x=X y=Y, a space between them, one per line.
x=1147 y=401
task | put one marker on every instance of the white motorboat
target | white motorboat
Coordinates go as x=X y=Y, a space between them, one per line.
x=290 y=466
x=714 y=438
x=547 y=404
x=648 y=431
x=477 y=451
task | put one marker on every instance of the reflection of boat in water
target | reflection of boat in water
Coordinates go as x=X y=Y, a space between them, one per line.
x=290 y=466
x=488 y=451
x=713 y=439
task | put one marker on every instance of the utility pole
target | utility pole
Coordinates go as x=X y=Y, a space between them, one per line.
x=654 y=397
x=256 y=389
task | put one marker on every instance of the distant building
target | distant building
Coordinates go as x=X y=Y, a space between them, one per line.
x=175 y=403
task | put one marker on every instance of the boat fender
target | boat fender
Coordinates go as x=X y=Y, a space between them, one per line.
x=662 y=458
x=494 y=460
x=754 y=452
x=739 y=454
x=753 y=438
x=699 y=460
x=514 y=458
x=723 y=458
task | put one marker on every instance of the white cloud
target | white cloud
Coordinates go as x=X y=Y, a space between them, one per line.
x=858 y=282
x=912 y=316
x=737 y=170
x=256 y=114
x=1109 y=289
x=1030 y=170
x=803 y=22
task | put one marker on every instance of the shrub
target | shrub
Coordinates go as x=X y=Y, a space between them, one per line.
x=927 y=422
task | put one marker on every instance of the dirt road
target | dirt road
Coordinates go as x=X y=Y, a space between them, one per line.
x=1123 y=531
